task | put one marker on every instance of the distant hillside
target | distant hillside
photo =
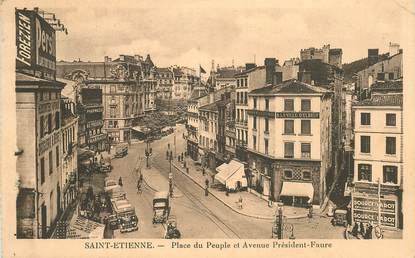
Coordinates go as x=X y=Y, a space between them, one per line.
x=358 y=65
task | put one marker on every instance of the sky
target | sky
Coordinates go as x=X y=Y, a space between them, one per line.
x=194 y=34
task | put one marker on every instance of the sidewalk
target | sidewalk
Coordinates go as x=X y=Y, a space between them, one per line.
x=253 y=206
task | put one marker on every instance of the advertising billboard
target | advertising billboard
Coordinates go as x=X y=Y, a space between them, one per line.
x=35 y=43
x=365 y=209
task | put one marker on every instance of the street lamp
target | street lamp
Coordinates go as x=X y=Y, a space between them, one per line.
x=170 y=175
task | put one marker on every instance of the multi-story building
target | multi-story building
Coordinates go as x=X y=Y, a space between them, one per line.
x=224 y=77
x=69 y=152
x=378 y=156
x=289 y=148
x=198 y=98
x=165 y=83
x=208 y=129
x=252 y=78
x=128 y=86
x=185 y=80
x=38 y=118
x=385 y=70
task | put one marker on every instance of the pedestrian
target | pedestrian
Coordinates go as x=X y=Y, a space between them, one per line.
x=369 y=231
x=355 y=230
x=203 y=171
x=207 y=182
x=120 y=181
x=206 y=191
x=240 y=202
x=362 y=229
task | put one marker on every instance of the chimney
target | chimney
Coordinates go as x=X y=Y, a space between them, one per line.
x=277 y=78
x=137 y=57
x=372 y=56
x=270 y=64
x=249 y=66
x=122 y=58
x=107 y=59
x=393 y=48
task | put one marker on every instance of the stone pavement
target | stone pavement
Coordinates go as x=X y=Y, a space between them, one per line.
x=252 y=205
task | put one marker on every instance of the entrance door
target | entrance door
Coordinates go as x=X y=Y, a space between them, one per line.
x=43 y=214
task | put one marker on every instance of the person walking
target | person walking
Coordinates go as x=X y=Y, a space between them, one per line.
x=240 y=202
x=120 y=181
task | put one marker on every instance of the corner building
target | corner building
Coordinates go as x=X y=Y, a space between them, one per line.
x=289 y=142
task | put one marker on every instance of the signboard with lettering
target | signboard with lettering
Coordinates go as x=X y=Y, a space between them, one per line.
x=297 y=114
x=365 y=209
x=35 y=42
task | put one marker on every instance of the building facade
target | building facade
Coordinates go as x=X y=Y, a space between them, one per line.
x=69 y=137
x=39 y=128
x=185 y=80
x=378 y=157
x=164 y=83
x=289 y=142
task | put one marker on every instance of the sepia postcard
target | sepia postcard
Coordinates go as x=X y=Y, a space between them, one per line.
x=207 y=128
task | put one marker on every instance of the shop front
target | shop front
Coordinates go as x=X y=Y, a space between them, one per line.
x=365 y=209
x=297 y=194
x=193 y=150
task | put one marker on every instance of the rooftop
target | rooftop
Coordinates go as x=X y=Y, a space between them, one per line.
x=250 y=70
x=227 y=72
x=289 y=87
x=210 y=107
x=396 y=85
x=382 y=100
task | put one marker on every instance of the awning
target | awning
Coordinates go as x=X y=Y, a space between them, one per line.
x=85 y=154
x=141 y=129
x=83 y=228
x=297 y=189
x=226 y=171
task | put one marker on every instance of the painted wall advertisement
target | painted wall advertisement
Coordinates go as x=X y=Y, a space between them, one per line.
x=35 y=43
x=366 y=210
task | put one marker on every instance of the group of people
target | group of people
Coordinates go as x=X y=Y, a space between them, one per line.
x=361 y=230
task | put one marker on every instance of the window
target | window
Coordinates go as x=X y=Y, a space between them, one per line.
x=365 y=144
x=390 y=145
x=237 y=97
x=365 y=118
x=364 y=172
x=237 y=83
x=112 y=89
x=254 y=141
x=305 y=126
x=246 y=98
x=50 y=123
x=57 y=155
x=305 y=150
x=50 y=163
x=255 y=100
x=266 y=146
x=246 y=82
x=267 y=104
x=266 y=125
x=305 y=105
x=306 y=175
x=42 y=170
x=254 y=122
x=288 y=105
x=288 y=150
x=288 y=126
x=390 y=119
x=42 y=127
x=57 y=120
x=391 y=76
x=112 y=112
x=390 y=174
x=288 y=174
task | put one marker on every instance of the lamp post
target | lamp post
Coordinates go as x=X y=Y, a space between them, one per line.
x=171 y=175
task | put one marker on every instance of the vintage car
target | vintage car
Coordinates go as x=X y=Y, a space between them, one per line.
x=125 y=213
x=161 y=207
x=172 y=232
x=109 y=184
x=121 y=151
x=339 y=218
x=105 y=166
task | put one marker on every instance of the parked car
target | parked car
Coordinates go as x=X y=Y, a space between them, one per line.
x=106 y=167
x=121 y=151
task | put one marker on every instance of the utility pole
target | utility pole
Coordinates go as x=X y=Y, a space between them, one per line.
x=171 y=176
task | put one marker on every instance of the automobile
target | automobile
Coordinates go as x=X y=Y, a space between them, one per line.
x=172 y=232
x=339 y=218
x=161 y=207
x=106 y=167
x=110 y=184
x=121 y=151
x=125 y=213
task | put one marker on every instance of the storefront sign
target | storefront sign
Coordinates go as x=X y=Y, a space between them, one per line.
x=297 y=114
x=365 y=209
x=369 y=204
x=386 y=219
x=35 y=42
